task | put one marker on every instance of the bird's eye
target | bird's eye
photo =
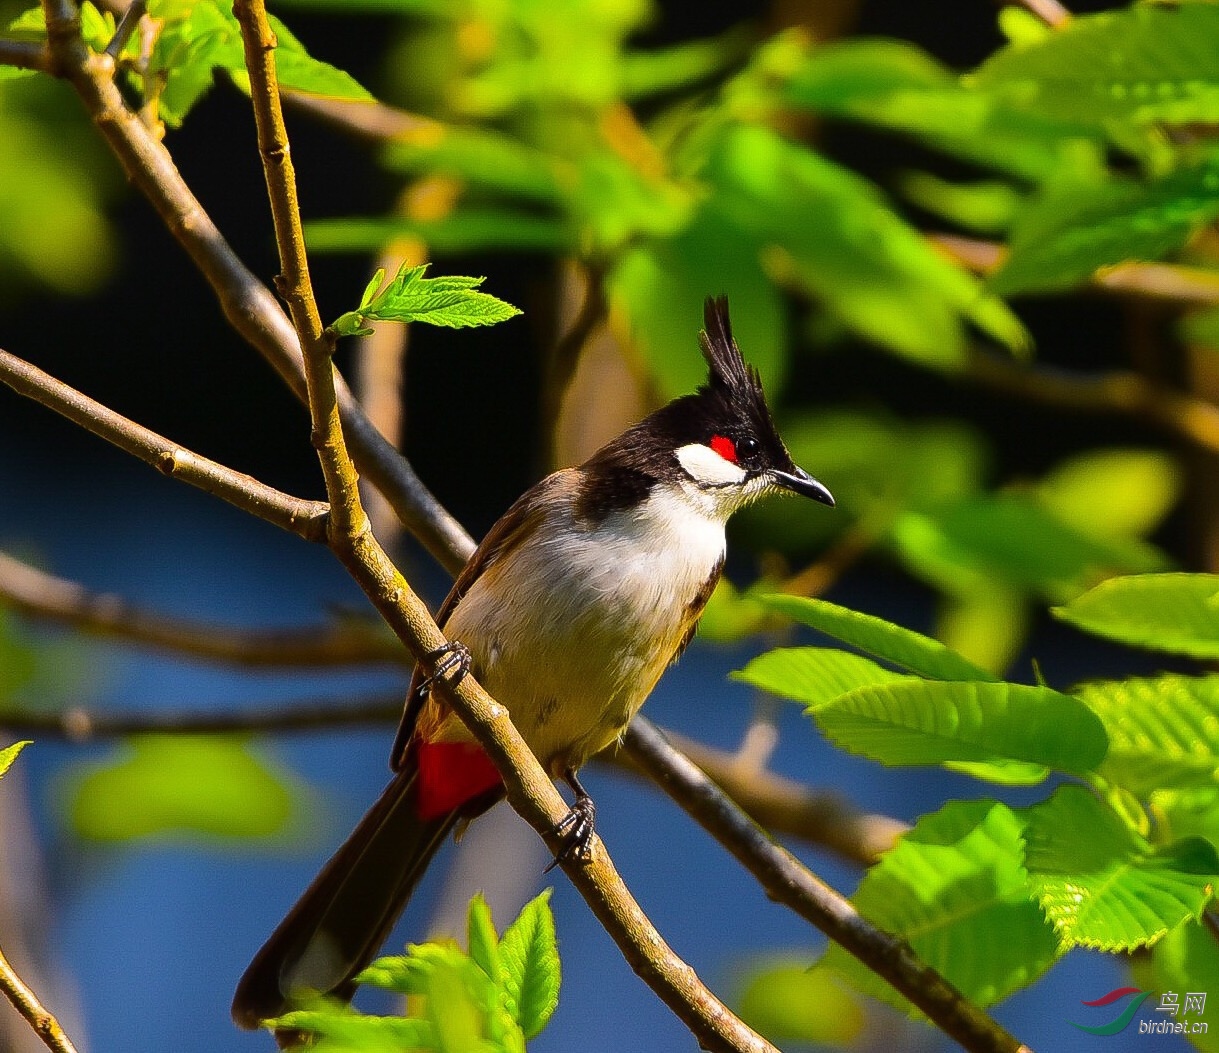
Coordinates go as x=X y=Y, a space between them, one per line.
x=746 y=446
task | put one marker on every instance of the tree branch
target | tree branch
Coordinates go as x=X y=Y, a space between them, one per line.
x=306 y=519
x=248 y=305
x=1174 y=282
x=38 y=594
x=24 y=54
x=44 y=1025
x=788 y=882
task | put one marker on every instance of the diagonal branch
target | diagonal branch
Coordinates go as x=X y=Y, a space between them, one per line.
x=44 y=1025
x=249 y=305
x=304 y=518
x=23 y=54
x=38 y=594
x=789 y=882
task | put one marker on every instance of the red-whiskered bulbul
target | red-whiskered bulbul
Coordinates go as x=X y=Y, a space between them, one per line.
x=575 y=603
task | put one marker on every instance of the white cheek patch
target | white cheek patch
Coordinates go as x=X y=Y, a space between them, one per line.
x=708 y=467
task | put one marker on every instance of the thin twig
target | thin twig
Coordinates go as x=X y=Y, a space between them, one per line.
x=304 y=518
x=44 y=1025
x=1192 y=419
x=1173 y=282
x=344 y=642
x=1051 y=12
x=789 y=882
x=122 y=33
x=248 y=305
x=24 y=54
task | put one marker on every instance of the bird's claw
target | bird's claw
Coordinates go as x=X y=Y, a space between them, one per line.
x=576 y=829
x=452 y=661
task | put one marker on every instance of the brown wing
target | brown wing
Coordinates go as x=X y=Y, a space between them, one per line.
x=508 y=532
x=695 y=610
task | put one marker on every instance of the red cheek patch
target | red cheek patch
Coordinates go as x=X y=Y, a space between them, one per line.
x=724 y=446
x=450 y=774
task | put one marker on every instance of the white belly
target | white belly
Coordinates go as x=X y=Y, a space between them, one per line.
x=573 y=638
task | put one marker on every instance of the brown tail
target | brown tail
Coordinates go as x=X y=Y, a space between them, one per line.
x=342 y=919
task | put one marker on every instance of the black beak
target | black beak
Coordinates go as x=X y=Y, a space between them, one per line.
x=798 y=481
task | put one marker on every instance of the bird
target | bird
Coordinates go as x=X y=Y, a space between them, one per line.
x=568 y=612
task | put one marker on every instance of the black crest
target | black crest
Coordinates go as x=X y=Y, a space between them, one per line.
x=731 y=404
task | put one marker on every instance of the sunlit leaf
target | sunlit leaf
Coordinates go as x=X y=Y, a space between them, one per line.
x=1146 y=63
x=1112 y=492
x=1101 y=884
x=879 y=638
x=530 y=957
x=985 y=622
x=787 y=1001
x=452 y=300
x=1184 y=961
x=929 y=722
x=1063 y=237
x=181 y=784
x=482 y=939
x=1178 y=613
x=955 y=888
x=466 y=230
x=832 y=234
x=1163 y=731
x=341 y=1028
x=9 y=754
x=813 y=675
x=986 y=207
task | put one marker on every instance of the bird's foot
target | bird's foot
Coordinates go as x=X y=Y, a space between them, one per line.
x=576 y=828
x=452 y=661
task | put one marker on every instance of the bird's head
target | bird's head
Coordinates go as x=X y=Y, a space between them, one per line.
x=719 y=446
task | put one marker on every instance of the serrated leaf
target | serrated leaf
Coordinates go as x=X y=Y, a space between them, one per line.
x=931 y=722
x=1163 y=731
x=1103 y=885
x=955 y=888
x=481 y=938
x=1065 y=236
x=530 y=958
x=9 y=754
x=879 y=638
x=181 y=784
x=1147 y=63
x=450 y=300
x=813 y=675
x=1177 y=613
x=403 y=973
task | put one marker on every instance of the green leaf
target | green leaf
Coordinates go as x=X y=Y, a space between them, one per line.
x=986 y=621
x=9 y=754
x=342 y=1028
x=787 y=1001
x=955 y=888
x=482 y=940
x=930 y=722
x=1122 y=493
x=813 y=675
x=454 y=1011
x=657 y=291
x=1149 y=63
x=466 y=230
x=530 y=958
x=987 y=207
x=181 y=784
x=451 y=301
x=1177 y=613
x=200 y=36
x=1186 y=960
x=1163 y=731
x=1101 y=884
x=832 y=234
x=1070 y=232
x=879 y=638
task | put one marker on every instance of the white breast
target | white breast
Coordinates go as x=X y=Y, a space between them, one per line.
x=572 y=630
